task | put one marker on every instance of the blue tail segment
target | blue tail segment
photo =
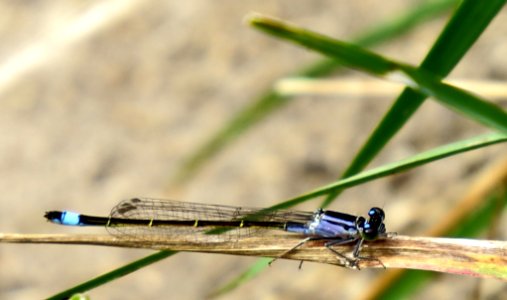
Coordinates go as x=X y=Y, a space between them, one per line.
x=68 y=218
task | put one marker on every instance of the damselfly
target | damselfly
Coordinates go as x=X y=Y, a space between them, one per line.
x=155 y=219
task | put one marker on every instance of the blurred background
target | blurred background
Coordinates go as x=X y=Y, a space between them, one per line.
x=102 y=101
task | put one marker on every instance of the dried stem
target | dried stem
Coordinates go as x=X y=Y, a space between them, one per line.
x=480 y=258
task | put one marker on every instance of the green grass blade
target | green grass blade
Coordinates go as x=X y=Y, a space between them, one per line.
x=457 y=37
x=460 y=33
x=403 y=165
x=466 y=103
x=255 y=269
x=359 y=58
x=399 y=113
x=269 y=101
x=347 y=54
x=411 y=281
x=422 y=12
x=110 y=276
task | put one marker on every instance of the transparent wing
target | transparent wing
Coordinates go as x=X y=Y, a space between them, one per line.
x=170 y=210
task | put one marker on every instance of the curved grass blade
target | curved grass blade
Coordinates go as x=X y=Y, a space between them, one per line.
x=400 y=166
x=459 y=34
x=460 y=100
x=270 y=100
x=356 y=57
x=255 y=269
x=110 y=276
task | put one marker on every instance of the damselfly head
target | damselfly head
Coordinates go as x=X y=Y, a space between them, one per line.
x=374 y=227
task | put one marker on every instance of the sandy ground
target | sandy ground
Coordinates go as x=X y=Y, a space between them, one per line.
x=101 y=102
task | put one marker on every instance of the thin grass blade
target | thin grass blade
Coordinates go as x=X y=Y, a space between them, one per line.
x=359 y=58
x=113 y=275
x=460 y=33
x=244 y=277
x=400 y=166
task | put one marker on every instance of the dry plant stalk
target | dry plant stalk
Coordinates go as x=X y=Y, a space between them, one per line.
x=481 y=258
